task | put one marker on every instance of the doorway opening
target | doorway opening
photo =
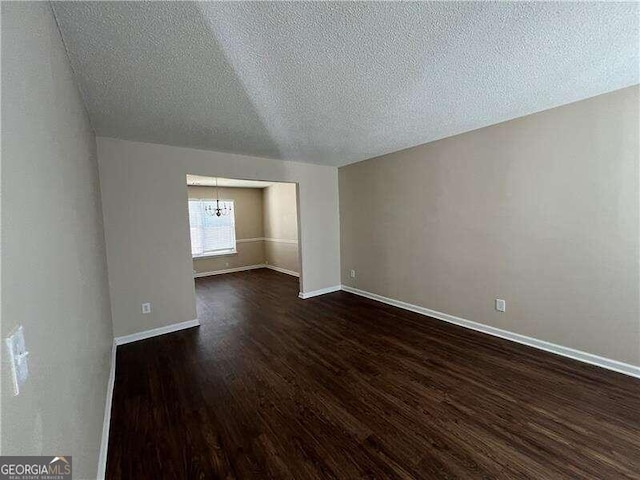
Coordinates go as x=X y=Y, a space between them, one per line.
x=239 y=225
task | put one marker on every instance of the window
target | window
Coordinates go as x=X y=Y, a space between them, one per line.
x=211 y=235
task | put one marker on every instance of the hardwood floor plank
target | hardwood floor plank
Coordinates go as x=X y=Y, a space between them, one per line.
x=342 y=387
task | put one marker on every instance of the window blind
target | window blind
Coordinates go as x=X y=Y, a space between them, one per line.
x=211 y=235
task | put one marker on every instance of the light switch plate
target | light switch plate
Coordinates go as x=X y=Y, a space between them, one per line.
x=501 y=305
x=17 y=358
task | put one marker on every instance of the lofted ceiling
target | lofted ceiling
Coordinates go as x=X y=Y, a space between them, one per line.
x=337 y=82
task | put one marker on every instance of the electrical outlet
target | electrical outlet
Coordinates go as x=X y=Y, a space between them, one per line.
x=501 y=305
x=146 y=308
x=353 y=274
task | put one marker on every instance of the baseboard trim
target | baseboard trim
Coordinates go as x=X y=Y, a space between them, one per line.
x=282 y=270
x=609 y=364
x=106 y=423
x=228 y=270
x=134 y=337
x=322 y=291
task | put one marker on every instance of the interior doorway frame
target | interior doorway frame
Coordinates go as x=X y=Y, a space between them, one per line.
x=298 y=216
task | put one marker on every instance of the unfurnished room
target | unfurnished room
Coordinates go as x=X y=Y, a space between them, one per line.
x=320 y=240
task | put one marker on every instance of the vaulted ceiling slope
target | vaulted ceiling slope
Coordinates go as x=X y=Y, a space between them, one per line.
x=334 y=83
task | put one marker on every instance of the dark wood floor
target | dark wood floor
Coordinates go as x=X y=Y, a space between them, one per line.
x=337 y=386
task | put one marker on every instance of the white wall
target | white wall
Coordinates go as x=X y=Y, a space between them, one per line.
x=54 y=280
x=144 y=196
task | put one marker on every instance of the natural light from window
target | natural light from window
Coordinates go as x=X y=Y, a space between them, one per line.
x=210 y=234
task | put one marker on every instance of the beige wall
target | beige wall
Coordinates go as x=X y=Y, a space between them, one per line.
x=249 y=253
x=283 y=255
x=281 y=226
x=248 y=207
x=54 y=274
x=542 y=211
x=249 y=225
x=280 y=213
x=147 y=228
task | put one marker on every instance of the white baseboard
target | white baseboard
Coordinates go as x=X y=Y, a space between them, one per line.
x=248 y=267
x=282 y=270
x=104 y=443
x=609 y=364
x=322 y=291
x=134 y=337
x=228 y=270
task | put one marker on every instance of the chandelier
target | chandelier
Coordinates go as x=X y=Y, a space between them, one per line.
x=217 y=211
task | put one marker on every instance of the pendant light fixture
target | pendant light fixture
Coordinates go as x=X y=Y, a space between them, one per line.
x=217 y=211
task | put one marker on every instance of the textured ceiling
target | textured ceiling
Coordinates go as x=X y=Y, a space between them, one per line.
x=334 y=83
x=200 y=181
